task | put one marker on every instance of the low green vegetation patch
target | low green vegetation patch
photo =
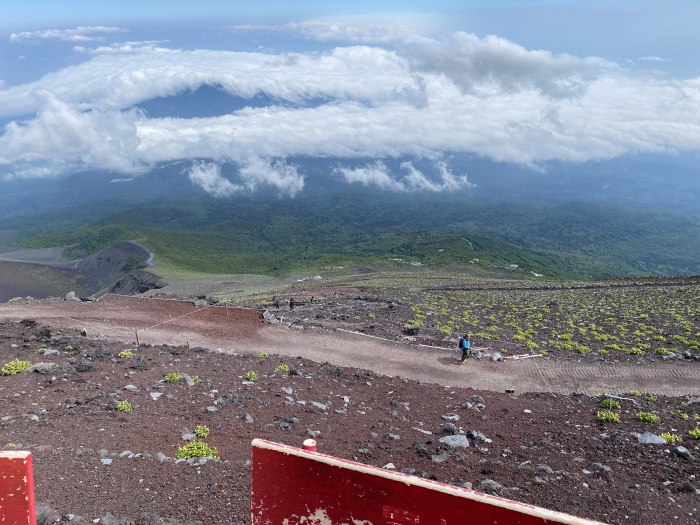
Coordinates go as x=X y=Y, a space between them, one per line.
x=201 y=431
x=14 y=367
x=606 y=416
x=648 y=417
x=612 y=404
x=671 y=438
x=173 y=377
x=124 y=406
x=197 y=449
x=126 y=354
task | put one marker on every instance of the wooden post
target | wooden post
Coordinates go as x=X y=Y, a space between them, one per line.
x=17 y=488
x=137 y=338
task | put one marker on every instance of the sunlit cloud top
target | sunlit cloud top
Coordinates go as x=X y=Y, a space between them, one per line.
x=372 y=92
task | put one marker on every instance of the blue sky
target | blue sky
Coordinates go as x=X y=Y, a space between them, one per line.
x=515 y=81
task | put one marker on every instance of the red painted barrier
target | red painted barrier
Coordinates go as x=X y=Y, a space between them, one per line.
x=292 y=486
x=17 y=489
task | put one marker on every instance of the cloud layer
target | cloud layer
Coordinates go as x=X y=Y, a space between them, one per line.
x=404 y=95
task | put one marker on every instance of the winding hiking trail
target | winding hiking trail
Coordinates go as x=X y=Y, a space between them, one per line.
x=157 y=321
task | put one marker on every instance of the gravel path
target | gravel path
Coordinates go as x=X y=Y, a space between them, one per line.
x=158 y=321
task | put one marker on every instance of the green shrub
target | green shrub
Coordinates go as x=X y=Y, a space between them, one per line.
x=14 y=367
x=681 y=414
x=648 y=417
x=196 y=379
x=262 y=355
x=201 y=431
x=251 y=376
x=282 y=369
x=124 y=406
x=671 y=438
x=694 y=433
x=197 y=449
x=648 y=395
x=610 y=403
x=126 y=354
x=606 y=416
x=41 y=350
x=173 y=377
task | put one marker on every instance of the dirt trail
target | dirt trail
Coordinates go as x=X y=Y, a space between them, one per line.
x=241 y=331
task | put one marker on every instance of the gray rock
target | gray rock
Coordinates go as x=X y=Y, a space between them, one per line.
x=160 y=457
x=455 y=441
x=599 y=467
x=106 y=461
x=131 y=388
x=683 y=452
x=313 y=433
x=247 y=418
x=149 y=518
x=478 y=437
x=541 y=480
x=103 y=453
x=423 y=431
x=490 y=486
x=155 y=395
x=126 y=453
x=188 y=436
x=449 y=428
x=287 y=390
x=212 y=409
x=108 y=519
x=390 y=466
x=46 y=514
x=70 y=296
x=451 y=417
x=188 y=380
x=318 y=405
x=439 y=458
x=649 y=438
x=544 y=468
x=392 y=437
x=52 y=368
x=51 y=352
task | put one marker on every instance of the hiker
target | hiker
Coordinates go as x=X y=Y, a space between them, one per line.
x=291 y=304
x=276 y=302
x=465 y=345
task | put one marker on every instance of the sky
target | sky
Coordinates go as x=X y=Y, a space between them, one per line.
x=521 y=82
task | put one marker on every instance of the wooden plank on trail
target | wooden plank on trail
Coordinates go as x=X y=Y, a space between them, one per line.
x=17 y=489
x=292 y=486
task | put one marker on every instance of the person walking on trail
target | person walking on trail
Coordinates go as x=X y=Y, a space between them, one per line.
x=465 y=345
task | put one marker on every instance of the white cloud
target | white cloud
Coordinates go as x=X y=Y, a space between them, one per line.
x=256 y=171
x=359 y=32
x=253 y=173
x=123 y=47
x=483 y=96
x=207 y=175
x=653 y=59
x=376 y=174
x=64 y=136
x=79 y=34
x=412 y=179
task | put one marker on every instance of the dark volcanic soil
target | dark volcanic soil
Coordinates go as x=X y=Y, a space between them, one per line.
x=91 y=459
